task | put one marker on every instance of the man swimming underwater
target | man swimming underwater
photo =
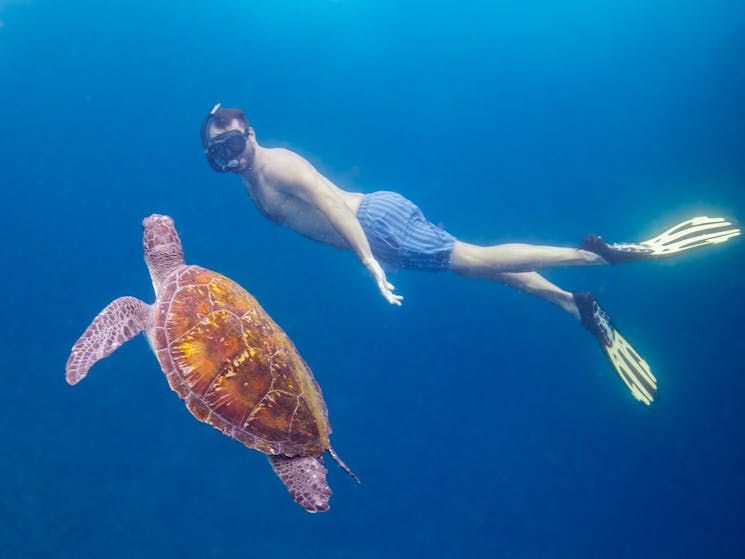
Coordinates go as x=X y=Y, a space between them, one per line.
x=384 y=227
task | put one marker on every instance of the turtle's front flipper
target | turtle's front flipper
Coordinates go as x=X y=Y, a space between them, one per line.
x=119 y=322
x=305 y=479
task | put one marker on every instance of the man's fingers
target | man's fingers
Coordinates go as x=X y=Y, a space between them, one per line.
x=389 y=295
x=386 y=287
x=394 y=299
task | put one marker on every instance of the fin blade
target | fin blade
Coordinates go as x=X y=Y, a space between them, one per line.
x=692 y=233
x=633 y=370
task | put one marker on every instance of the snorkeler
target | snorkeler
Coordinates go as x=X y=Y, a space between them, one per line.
x=384 y=227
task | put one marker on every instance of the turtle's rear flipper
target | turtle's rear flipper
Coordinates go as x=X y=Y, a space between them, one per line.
x=118 y=323
x=305 y=479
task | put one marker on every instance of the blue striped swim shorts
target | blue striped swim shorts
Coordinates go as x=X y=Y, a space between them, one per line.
x=400 y=236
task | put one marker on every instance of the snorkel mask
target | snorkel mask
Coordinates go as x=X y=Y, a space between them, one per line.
x=224 y=150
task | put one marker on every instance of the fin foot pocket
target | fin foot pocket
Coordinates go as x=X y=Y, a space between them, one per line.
x=617 y=253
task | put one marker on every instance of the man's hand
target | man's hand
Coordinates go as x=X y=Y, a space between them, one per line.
x=386 y=287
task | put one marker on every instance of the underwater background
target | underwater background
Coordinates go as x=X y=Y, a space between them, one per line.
x=482 y=422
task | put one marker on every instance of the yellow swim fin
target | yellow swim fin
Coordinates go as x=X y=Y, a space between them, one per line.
x=692 y=233
x=633 y=370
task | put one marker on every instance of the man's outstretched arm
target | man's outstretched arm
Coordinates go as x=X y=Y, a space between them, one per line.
x=314 y=188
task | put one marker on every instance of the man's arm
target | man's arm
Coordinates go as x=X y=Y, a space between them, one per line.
x=309 y=185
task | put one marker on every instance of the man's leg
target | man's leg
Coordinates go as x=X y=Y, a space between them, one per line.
x=534 y=284
x=485 y=261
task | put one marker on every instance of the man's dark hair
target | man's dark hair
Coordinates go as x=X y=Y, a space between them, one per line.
x=223 y=117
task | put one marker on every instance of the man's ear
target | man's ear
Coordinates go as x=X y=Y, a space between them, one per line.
x=251 y=133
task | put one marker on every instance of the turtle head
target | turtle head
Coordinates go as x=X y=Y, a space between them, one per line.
x=162 y=245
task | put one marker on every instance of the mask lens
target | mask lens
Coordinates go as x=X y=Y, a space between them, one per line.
x=228 y=146
x=234 y=145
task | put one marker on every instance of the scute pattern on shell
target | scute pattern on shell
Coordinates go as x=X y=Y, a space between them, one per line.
x=235 y=367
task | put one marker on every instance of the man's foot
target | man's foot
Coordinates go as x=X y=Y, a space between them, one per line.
x=617 y=253
x=633 y=370
x=689 y=234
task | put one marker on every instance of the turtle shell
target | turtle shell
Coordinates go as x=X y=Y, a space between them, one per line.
x=234 y=367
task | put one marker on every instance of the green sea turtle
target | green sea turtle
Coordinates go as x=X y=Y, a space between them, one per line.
x=226 y=358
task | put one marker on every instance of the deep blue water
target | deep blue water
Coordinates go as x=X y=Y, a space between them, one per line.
x=483 y=423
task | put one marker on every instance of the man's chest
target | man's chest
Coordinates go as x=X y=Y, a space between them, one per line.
x=279 y=206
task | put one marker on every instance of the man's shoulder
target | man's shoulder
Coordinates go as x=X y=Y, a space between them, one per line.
x=282 y=162
x=281 y=169
x=282 y=155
